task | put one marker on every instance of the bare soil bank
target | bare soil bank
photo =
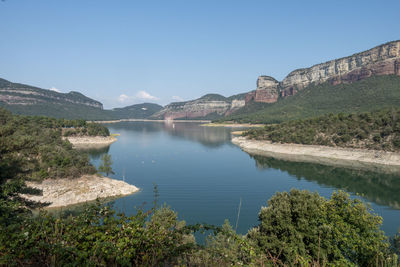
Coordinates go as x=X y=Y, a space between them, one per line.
x=355 y=158
x=65 y=192
x=91 y=141
x=233 y=125
x=122 y=120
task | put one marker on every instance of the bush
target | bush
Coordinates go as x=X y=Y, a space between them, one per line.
x=303 y=224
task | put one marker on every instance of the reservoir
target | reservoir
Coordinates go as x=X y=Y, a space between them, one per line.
x=205 y=178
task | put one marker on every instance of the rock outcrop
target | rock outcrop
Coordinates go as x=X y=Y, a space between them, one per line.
x=66 y=192
x=22 y=94
x=208 y=106
x=380 y=60
x=267 y=90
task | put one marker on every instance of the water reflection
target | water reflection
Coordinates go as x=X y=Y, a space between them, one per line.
x=96 y=153
x=193 y=131
x=380 y=188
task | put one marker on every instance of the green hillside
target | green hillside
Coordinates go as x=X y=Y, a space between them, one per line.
x=366 y=95
x=24 y=99
x=378 y=130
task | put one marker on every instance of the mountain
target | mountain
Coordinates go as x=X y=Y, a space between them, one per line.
x=381 y=60
x=370 y=94
x=365 y=81
x=29 y=100
x=138 y=111
x=210 y=106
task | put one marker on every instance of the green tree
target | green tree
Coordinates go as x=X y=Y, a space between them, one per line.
x=303 y=225
x=105 y=166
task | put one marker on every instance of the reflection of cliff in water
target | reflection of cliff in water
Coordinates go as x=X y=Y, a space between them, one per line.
x=377 y=187
x=208 y=136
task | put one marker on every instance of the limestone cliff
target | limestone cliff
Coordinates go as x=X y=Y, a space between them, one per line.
x=380 y=60
x=26 y=95
x=208 y=106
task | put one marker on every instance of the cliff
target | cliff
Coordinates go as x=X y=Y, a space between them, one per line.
x=29 y=100
x=22 y=94
x=209 y=106
x=380 y=60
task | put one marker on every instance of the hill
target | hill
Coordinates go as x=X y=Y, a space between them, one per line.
x=138 y=111
x=29 y=100
x=210 y=106
x=370 y=94
x=379 y=130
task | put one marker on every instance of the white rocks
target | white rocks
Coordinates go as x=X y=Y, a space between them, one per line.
x=346 y=157
x=65 y=192
x=91 y=141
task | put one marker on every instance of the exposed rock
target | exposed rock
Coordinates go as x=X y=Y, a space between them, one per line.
x=373 y=160
x=65 y=192
x=267 y=90
x=208 y=105
x=90 y=141
x=380 y=60
x=22 y=94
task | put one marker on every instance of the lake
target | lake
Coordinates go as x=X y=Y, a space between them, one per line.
x=203 y=176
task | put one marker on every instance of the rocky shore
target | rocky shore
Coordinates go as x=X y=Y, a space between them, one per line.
x=91 y=141
x=233 y=125
x=65 y=192
x=355 y=158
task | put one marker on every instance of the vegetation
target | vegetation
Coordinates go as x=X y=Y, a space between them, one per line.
x=105 y=166
x=373 y=130
x=296 y=228
x=370 y=94
x=378 y=187
x=72 y=105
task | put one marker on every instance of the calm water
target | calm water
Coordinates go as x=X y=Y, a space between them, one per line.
x=203 y=176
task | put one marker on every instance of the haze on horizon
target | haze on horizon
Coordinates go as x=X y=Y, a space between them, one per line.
x=127 y=52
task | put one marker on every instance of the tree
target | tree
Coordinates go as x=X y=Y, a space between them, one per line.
x=304 y=225
x=105 y=166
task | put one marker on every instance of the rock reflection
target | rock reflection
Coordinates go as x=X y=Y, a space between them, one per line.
x=193 y=131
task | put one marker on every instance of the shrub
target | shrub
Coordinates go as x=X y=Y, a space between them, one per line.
x=301 y=223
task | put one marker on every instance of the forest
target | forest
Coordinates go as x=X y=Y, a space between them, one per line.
x=379 y=130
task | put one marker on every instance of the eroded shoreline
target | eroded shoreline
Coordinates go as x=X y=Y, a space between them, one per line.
x=66 y=192
x=90 y=141
x=354 y=158
x=233 y=125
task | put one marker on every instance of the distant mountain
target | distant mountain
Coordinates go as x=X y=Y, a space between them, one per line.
x=365 y=81
x=210 y=106
x=138 y=111
x=370 y=94
x=380 y=60
x=29 y=100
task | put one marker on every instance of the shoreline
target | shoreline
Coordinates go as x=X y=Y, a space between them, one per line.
x=233 y=125
x=66 y=192
x=147 y=120
x=373 y=160
x=87 y=142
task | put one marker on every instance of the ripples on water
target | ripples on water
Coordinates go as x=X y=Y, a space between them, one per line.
x=202 y=175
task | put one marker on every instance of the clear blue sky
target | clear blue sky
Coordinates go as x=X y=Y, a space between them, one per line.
x=124 y=52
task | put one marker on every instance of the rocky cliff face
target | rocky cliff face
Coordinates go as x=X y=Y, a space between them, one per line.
x=380 y=60
x=267 y=90
x=21 y=94
x=208 y=106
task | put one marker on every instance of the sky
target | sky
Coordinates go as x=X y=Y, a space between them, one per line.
x=126 y=52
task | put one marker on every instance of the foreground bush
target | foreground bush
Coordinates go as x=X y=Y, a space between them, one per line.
x=304 y=225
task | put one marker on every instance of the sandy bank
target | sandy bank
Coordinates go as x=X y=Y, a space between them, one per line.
x=65 y=192
x=355 y=158
x=91 y=141
x=233 y=125
x=122 y=120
